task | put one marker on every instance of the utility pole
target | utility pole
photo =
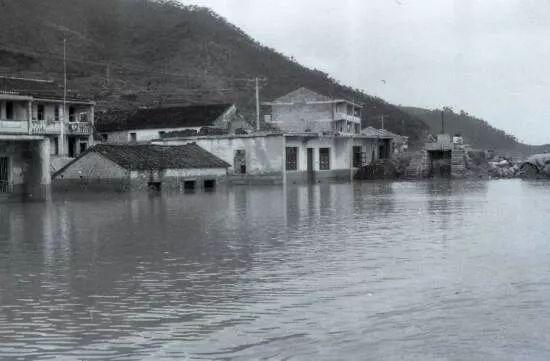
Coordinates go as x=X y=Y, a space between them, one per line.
x=257 y=105
x=382 y=121
x=64 y=118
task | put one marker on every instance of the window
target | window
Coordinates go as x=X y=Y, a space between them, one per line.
x=9 y=110
x=357 y=157
x=83 y=147
x=40 y=111
x=162 y=133
x=71 y=114
x=209 y=184
x=133 y=137
x=357 y=128
x=324 y=158
x=189 y=185
x=105 y=137
x=5 y=185
x=239 y=161
x=56 y=113
x=291 y=158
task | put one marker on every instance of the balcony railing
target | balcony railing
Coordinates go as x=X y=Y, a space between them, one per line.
x=45 y=127
x=79 y=128
x=348 y=117
x=14 y=126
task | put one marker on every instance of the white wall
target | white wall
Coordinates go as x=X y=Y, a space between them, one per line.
x=340 y=151
x=142 y=135
x=264 y=154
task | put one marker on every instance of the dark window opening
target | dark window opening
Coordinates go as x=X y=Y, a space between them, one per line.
x=54 y=146
x=71 y=114
x=357 y=156
x=5 y=186
x=239 y=161
x=104 y=137
x=162 y=133
x=189 y=185
x=154 y=186
x=56 y=113
x=291 y=158
x=83 y=147
x=324 y=158
x=209 y=184
x=133 y=137
x=40 y=111
x=9 y=110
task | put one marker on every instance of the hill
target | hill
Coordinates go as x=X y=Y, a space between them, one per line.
x=127 y=53
x=476 y=132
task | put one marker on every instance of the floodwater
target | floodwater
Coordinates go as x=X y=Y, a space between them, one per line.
x=365 y=271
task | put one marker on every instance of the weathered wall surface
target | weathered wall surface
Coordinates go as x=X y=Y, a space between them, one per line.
x=173 y=179
x=302 y=117
x=339 y=150
x=264 y=154
x=93 y=166
x=20 y=156
x=142 y=135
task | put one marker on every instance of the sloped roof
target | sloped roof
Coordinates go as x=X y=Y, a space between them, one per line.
x=301 y=95
x=157 y=118
x=154 y=157
x=378 y=133
x=44 y=89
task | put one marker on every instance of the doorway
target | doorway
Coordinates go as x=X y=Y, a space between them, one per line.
x=72 y=147
x=310 y=170
x=5 y=175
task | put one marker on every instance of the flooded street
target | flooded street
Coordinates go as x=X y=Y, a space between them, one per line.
x=365 y=271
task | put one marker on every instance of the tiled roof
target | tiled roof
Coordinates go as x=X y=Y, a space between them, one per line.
x=154 y=157
x=378 y=133
x=158 y=118
x=36 y=88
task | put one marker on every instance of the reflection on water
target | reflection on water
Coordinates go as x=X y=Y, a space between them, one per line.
x=434 y=270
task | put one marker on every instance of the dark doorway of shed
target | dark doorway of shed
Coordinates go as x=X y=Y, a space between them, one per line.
x=209 y=185
x=440 y=163
x=4 y=175
x=154 y=186
x=189 y=186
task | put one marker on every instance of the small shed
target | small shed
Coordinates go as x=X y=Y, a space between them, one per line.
x=126 y=167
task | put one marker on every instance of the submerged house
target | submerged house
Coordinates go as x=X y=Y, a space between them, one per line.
x=146 y=124
x=39 y=126
x=316 y=138
x=127 y=167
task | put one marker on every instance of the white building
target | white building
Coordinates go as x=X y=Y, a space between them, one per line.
x=38 y=128
x=146 y=124
x=318 y=138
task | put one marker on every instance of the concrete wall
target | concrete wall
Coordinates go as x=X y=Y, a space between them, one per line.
x=142 y=135
x=300 y=117
x=28 y=167
x=264 y=154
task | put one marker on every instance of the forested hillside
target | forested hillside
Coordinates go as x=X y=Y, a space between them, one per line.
x=127 y=53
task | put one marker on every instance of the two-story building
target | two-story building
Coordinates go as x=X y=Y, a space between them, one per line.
x=39 y=123
x=316 y=138
x=146 y=124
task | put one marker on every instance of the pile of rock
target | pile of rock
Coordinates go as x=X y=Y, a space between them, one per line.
x=503 y=168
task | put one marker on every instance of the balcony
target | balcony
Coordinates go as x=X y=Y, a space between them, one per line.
x=45 y=127
x=78 y=128
x=347 y=117
x=14 y=126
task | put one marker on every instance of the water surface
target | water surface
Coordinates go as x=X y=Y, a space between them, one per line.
x=366 y=271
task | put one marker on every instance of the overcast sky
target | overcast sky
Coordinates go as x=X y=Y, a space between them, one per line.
x=490 y=58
